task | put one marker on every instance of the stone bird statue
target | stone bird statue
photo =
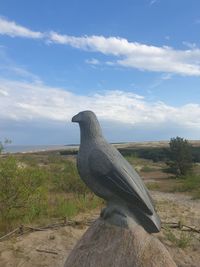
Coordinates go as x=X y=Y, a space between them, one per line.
x=105 y=171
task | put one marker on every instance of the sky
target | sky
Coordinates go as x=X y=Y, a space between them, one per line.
x=135 y=63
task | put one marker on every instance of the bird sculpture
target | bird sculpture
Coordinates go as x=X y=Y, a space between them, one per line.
x=107 y=173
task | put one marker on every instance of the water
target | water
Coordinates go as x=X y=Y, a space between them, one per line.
x=35 y=148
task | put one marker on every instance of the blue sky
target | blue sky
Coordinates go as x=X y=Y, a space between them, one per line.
x=136 y=64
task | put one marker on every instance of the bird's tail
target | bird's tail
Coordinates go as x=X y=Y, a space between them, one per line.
x=151 y=223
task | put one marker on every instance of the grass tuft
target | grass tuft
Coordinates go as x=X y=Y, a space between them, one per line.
x=181 y=239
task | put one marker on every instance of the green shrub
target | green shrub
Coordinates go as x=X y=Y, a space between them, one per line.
x=23 y=193
x=65 y=208
x=69 y=207
x=180 y=155
x=152 y=153
x=88 y=202
x=157 y=153
x=66 y=178
x=34 y=192
x=189 y=183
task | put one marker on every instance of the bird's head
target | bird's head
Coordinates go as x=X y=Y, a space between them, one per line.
x=89 y=124
x=84 y=116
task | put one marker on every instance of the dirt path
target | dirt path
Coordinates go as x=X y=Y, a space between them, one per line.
x=23 y=251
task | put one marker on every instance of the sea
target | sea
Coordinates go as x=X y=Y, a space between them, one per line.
x=35 y=148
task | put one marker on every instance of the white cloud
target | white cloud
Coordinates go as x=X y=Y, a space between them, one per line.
x=12 y=29
x=136 y=55
x=125 y=53
x=22 y=101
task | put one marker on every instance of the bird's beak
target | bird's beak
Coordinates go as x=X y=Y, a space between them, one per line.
x=75 y=118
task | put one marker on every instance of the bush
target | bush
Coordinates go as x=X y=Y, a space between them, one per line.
x=33 y=192
x=67 y=179
x=70 y=206
x=23 y=194
x=156 y=153
x=180 y=155
x=190 y=183
x=153 y=153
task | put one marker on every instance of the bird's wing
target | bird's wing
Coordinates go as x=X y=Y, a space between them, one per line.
x=117 y=175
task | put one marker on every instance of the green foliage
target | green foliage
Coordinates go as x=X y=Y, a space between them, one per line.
x=153 y=186
x=153 y=153
x=69 y=152
x=180 y=156
x=23 y=194
x=196 y=154
x=156 y=153
x=38 y=187
x=190 y=183
x=65 y=208
x=69 y=207
x=66 y=178
x=89 y=202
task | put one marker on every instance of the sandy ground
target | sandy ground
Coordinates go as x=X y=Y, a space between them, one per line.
x=29 y=249
x=174 y=207
x=23 y=251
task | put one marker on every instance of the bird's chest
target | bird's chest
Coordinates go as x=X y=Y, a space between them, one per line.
x=83 y=162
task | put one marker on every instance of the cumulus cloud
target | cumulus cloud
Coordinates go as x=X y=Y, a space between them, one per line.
x=22 y=101
x=12 y=29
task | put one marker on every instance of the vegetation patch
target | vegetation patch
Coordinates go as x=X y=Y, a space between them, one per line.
x=23 y=194
x=179 y=239
x=189 y=183
x=153 y=186
x=41 y=187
